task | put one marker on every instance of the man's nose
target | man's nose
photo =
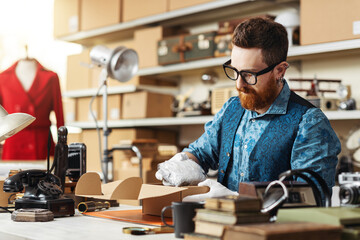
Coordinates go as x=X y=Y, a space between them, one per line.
x=240 y=82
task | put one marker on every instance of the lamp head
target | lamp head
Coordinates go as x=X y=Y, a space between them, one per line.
x=13 y=123
x=120 y=63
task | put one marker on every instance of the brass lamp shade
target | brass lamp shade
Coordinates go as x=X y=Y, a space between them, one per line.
x=13 y=123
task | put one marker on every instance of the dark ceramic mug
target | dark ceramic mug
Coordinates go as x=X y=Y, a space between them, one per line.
x=183 y=214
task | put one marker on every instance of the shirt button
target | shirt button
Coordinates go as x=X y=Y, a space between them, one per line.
x=245 y=146
x=253 y=120
x=242 y=174
x=228 y=154
x=222 y=171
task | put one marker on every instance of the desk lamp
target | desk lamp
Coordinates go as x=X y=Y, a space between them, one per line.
x=11 y=124
x=120 y=64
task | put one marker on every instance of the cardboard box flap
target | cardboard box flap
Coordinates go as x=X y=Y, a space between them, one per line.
x=151 y=191
x=89 y=185
x=123 y=189
x=193 y=190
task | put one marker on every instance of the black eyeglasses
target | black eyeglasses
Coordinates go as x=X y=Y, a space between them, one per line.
x=248 y=76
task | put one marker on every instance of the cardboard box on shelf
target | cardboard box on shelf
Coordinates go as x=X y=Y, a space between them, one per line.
x=95 y=77
x=66 y=17
x=90 y=139
x=131 y=134
x=146 y=105
x=143 y=81
x=147 y=148
x=146 y=44
x=328 y=20
x=177 y=4
x=148 y=176
x=154 y=197
x=114 y=106
x=69 y=106
x=4 y=196
x=134 y=9
x=97 y=14
x=78 y=76
x=83 y=112
x=169 y=137
x=74 y=138
x=127 y=42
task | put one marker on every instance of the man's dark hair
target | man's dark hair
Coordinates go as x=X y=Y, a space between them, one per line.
x=265 y=34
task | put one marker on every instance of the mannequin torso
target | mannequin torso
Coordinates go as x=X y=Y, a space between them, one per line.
x=25 y=72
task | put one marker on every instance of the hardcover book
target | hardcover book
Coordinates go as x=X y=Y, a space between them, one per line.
x=198 y=236
x=234 y=203
x=283 y=231
x=231 y=217
x=209 y=228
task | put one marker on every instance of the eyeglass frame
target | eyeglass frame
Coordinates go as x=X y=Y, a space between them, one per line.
x=255 y=74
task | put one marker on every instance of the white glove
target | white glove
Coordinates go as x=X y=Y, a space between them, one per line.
x=216 y=190
x=180 y=171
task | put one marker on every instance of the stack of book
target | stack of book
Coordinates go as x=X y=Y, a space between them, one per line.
x=284 y=231
x=219 y=213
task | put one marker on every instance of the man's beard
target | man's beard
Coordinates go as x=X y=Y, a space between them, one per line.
x=252 y=100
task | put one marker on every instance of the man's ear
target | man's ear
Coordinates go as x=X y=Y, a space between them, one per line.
x=281 y=69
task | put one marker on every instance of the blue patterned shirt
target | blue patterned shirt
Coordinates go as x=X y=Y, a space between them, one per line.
x=315 y=145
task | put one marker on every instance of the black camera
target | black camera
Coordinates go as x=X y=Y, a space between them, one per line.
x=349 y=188
x=76 y=161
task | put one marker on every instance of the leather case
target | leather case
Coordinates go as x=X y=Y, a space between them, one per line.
x=184 y=48
x=171 y=50
x=199 y=46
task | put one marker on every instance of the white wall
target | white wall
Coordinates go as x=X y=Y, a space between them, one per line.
x=25 y=22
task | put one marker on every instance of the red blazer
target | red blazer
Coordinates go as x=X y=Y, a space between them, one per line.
x=43 y=96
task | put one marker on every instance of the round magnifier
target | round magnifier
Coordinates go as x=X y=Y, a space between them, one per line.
x=137 y=230
x=274 y=196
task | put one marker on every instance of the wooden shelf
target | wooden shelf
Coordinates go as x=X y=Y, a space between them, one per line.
x=120 y=89
x=147 y=122
x=203 y=13
x=198 y=120
x=343 y=115
x=211 y=11
x=295 y=53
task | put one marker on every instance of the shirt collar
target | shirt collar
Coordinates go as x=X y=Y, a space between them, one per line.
x=280 y=104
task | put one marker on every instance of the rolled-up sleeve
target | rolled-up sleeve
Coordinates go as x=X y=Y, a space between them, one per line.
x=316 y=146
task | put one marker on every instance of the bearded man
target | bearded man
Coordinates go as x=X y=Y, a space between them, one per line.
x=263 y=132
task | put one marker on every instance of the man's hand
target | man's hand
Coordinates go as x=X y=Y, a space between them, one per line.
x=180 y=171
x=216 y=190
